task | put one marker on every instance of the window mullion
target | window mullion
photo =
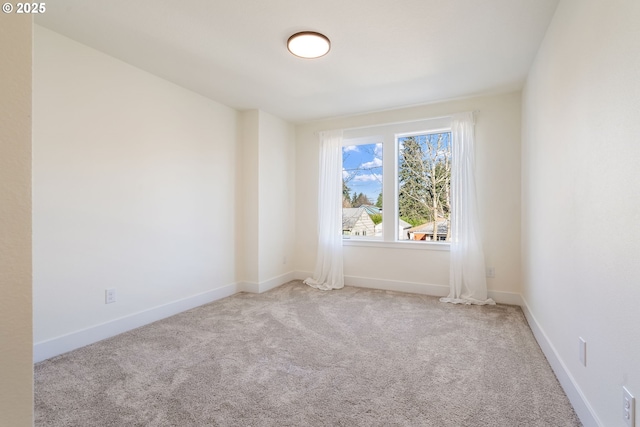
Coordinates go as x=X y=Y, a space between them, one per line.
x=390 y=188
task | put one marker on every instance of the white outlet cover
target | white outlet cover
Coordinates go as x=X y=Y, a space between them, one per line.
x=628 y=408
x=582 y=348
x=109 y=296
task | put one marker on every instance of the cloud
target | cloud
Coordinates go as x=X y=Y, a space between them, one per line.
x=368 y=177
x=375 y=163
x=349 y=148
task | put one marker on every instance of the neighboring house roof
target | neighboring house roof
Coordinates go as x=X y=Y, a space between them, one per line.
x=404 y=224
x=372 y=210
x=350 y=216
x=427 y=228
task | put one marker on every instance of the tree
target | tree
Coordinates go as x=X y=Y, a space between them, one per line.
x=346 y=202
x=413 y=194
x=359 y=200
x=376 y=218
x=379 y=201
x=425 y=179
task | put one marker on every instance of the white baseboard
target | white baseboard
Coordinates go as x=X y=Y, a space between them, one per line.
x=511 y=298
x=396 y=285
x=267 y=285
x=582 y=407
x=501 y=297
x=580 y=404
x=53 y=347
x=251 y=287
x=301 y=275
x=386 y=285
x=59 y=345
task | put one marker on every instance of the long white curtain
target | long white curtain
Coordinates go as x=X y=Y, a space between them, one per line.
x=329 y=270
x=467 y=278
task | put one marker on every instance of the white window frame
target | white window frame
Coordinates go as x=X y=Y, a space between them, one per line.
x=388 y=135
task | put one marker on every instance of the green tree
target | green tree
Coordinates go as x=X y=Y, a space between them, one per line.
x=346 y=201
x=425 y=178
x=359 y=200
x=379 y=201
x=376 y=218
x=413 y=192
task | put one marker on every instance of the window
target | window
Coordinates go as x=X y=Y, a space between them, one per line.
x=362 y=190
x=413 y=193
x=424 y=178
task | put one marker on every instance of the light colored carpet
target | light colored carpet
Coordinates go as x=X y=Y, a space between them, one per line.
x=296 y=356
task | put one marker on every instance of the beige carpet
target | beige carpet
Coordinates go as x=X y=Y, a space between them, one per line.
x=296 y=356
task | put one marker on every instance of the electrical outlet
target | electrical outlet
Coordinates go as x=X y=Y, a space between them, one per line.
x=491 y=272
x=628 y=408
x=582 y=351
x=110 y=296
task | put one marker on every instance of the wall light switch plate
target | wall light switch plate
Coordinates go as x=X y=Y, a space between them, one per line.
x=628 y=408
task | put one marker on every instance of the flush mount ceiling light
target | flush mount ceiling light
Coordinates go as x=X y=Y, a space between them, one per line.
x=308 y=44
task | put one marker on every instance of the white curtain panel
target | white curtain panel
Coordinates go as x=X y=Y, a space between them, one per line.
x=329 y=270
x=467 y=279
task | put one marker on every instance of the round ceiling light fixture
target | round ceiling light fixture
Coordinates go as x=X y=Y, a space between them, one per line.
x=308 y=44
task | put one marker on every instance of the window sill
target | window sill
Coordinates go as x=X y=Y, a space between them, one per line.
x=422 y=246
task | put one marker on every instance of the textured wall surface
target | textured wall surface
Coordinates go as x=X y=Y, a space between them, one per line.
x=16 y=344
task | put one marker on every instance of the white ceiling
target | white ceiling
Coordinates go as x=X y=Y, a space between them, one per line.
x=385 y=54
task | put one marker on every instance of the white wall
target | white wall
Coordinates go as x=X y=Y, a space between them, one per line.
x=134 y=188
x=16 y=346
x=580 y=159
x=498 y=168
x=277 y=178
x=267 y=166
x=248 y=211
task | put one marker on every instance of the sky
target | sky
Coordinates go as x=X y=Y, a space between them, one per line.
x=362 y=169
x=362 y=164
